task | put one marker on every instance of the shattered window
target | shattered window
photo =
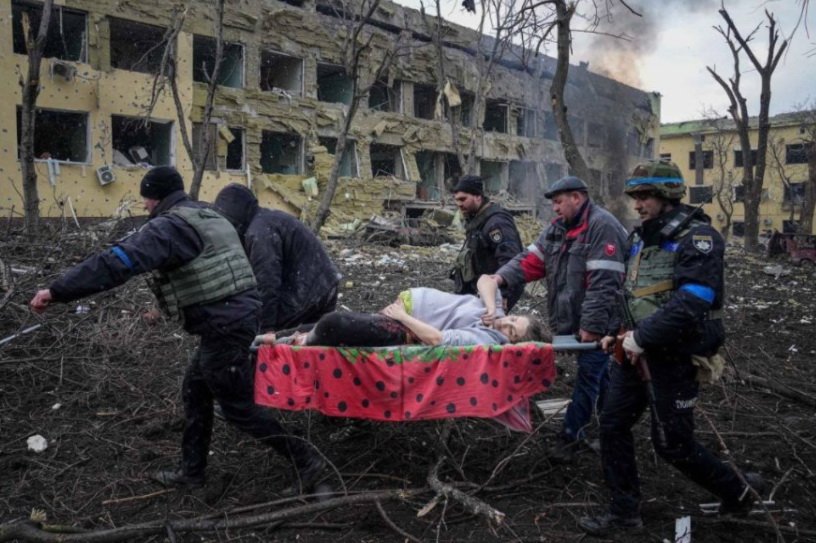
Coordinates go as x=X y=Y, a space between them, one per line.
x=495 y=116
x=67 y=31
x=452 y=167
x=226 y=146
x=58 y=135
x=140 y=142
x=795 y=153
x=549 y=130
x=279 y=71
x=794 y=193
x=136 y=47
x=526 y=124
x=381 y=97
x=466 y=109
x=554 y=171
x=348 y=163
x=523 y=179
x=281 y=153
x=386 y=160
x=424 y=101
x=428 y=188
x=231 y=72
x=708 y=160
x=738 y=157
x=701 y=195
x=333 y=85
x=493 y=174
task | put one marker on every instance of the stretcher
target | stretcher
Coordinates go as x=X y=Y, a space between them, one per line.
x=410 y=382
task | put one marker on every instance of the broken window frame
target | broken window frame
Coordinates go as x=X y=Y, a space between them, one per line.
x=738 y=157
x=708 y=160
x=298 y=164
x=43 y=134
x=161 y=153
x=494 y=184
x=350 y=162
x=424 y=101
x=226 y=74
x=699 y=194
x=428 y=186
x=336 y=70
x=496 y=116
x=392 y=97
x=145 y=40
x=793 y=194
x=289 y=59
x=553 y=171
x=527 y=122
x=59 y=43
x=523 y=185
x=400 y=168
x=796 y=153
x=216 y=162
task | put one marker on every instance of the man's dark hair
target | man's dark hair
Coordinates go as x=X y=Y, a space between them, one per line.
x=536 y=331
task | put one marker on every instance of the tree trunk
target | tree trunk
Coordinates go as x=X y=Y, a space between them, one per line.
x=203 y=151
x=28 y=113
x=809 y=203
x=559 y=107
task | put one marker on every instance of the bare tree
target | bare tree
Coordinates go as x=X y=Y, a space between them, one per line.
x=753 y=175
x=721 y=141
x=35 y=45
x=357 y=48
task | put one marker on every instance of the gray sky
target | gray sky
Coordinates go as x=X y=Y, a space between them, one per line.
x=675 y=40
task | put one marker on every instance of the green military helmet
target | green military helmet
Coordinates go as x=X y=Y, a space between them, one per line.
x=657 y=176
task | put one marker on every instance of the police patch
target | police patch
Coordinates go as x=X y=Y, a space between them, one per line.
x=704 y=244
x=610 y=249
x=495 y=235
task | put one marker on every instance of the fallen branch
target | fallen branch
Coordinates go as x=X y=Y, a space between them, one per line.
x=474 y=505
x=782 y=390
x=35 y=531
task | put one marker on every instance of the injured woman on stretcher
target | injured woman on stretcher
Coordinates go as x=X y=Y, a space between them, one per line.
x=423 y=316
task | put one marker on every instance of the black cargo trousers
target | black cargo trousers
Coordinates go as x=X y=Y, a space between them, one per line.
x=222 y=370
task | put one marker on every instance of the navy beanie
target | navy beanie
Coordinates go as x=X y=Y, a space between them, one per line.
x=472 y=184
x=160 y=182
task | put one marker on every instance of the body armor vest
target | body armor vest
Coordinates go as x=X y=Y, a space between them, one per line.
x=465 y=260
x=220 y=271
x=650 y=274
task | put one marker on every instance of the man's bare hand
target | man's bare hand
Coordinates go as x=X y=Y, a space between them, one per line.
x=40 y=302
x=608 y=343
x=630 y=346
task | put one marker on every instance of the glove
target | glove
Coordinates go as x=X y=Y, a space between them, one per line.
x=630 y=345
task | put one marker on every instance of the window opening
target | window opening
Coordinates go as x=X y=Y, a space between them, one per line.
x=348 y=163
x=424 y=101
x=140 y=142
x=495 y=116
x=381 y=97
x=281 y=72
x=281 y=153
x=136 y=47
x=231 y=73
x=333 y=85
x=385 y=160
x=58 y=135
x=67 y=31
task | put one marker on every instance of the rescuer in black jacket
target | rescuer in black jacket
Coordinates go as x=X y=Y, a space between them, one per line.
x=202 y=277
x=491 y=240
x=296 y=277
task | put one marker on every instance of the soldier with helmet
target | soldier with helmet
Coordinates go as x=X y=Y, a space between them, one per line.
x=674 y=281
x=581 y=254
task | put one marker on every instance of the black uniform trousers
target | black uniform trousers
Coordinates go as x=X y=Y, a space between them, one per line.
x=676 y=390
x=222 y=370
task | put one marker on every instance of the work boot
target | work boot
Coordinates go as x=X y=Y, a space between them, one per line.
x=176 y=477
x=609 y=523
x=307 y=476
x=743 y=505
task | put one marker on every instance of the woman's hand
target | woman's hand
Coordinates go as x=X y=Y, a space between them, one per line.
x=396 y=311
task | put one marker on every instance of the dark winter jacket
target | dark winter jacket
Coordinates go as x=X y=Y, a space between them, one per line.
x=164 y=243
x=687 y=321
x=293 y=270
x=584 y=266
x=491 y=240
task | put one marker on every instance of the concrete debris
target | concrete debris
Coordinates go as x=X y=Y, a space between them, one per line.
x=777 y=270
x=37 y=443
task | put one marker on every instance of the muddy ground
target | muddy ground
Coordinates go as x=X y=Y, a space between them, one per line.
x=102 y=387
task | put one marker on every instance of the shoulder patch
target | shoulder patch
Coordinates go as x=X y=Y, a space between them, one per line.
x=496 y=235
x=610 y=249
x=703 y=243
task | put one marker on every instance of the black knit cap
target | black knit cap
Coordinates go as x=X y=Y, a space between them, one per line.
x=160 y=182
x=472 y=184
x=237 y=204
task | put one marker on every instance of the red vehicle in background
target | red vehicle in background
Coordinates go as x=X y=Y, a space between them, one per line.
x=800 y=247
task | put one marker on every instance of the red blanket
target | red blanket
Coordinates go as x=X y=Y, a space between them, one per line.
x=406 y=383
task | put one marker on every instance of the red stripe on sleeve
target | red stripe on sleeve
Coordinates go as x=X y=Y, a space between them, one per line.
x=533 y=268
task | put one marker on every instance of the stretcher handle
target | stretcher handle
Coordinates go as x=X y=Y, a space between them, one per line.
x=570 y=343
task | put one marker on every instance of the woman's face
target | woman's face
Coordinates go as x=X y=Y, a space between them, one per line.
x=513 y=326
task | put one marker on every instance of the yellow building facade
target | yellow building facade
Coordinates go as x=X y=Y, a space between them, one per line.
x=717 y=185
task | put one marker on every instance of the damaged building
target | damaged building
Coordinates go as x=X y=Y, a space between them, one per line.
x=279 y=108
